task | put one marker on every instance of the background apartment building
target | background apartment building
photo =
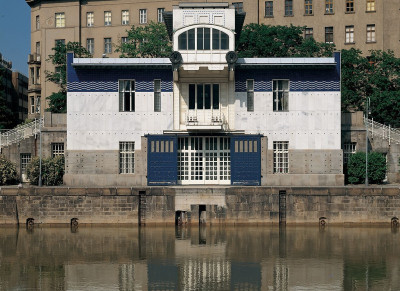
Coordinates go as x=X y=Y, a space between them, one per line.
x=101 y=24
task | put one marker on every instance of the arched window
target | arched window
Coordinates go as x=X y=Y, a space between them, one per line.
x=203 y=38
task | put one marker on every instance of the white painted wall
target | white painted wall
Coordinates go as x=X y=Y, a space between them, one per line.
x=312 y=122
x=95 y=123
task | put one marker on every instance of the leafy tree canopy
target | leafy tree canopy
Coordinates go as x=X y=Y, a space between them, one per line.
x=57 y=101
x=149 y=41
x=260 y=40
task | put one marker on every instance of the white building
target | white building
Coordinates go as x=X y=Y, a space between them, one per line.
x=203 y=116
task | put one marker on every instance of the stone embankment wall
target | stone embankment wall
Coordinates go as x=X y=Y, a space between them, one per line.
x=231 y=205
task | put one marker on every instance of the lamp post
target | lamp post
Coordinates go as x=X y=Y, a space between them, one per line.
x=367 y=105
x=40 y=153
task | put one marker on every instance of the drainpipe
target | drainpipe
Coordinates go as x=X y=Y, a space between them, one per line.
x=80 y=22
x=258 y=11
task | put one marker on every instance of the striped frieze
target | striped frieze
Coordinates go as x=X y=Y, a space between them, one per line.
x=106 y=80
x=300 y=80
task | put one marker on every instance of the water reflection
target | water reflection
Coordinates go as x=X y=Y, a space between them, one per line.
x=199 y=258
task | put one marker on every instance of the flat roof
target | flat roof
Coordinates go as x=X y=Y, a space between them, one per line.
x=132 y=62
x=203 y=5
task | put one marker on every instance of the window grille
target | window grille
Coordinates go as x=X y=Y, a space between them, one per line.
x=281 y=156
x=126 y=157
x=57 y=149
x=250 y=95
x=126 y=95
x=281 y=95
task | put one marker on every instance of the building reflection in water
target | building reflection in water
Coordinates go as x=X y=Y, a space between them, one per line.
x=200 y=258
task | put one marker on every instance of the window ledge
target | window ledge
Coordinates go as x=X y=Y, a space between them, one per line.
x=372 y=11
x=312 y=14
x=329 y=13
x=269 y=16
x=371 y=41
x=349 y=43
x=349 y=12
x=288 y=15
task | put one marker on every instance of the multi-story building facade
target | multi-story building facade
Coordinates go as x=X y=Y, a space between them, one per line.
x=203 y=116
x=16 y=86
x=100 y=24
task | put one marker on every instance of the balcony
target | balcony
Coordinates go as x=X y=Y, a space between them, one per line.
x=205 y=121
x=34 y=58
x=34 y=88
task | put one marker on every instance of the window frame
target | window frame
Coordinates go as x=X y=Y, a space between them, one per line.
x=107 y=18
x=329 y=7
x=308 y=7
x=281 y=157
x=89 y=19
x=349 y=149
x=349 y=34
x=238 y=6
x=33 y=109
x=132 y=95
x=269 y=9
x=160 y=17
x=125 y=17
x=37 y=22
x=190 y=38
x=307 y=33
x=349 y=6
x=371 y=6
x=196 y=98
x=25 y=159
x=106 y=45
x=90 y=45
x=250 y=95
x=60 y=20
x=157 y=95
x=330 y=33
x=56 y=149
x=276 y=100
x=143 y=16
x=126 y=157
x=371 y=33
x=288 y=7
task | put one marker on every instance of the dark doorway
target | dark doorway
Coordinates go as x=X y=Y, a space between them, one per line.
x=202 y=214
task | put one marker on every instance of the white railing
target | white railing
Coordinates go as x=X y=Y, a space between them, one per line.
x=21 y=132
x=383 y=131
x=192 y=119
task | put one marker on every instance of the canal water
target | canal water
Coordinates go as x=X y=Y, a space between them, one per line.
x=199 y=258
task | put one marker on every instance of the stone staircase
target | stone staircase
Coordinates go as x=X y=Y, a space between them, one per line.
x=20 y=133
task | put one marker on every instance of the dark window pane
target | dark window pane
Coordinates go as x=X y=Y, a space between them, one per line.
x=206 y=38
x=216 y=96
x=127 y=101
x=224 y=41
x=191 y=39
x=200 y=39
x=200 y=97
x=215 y=39
x=182 y=41
x=192 y=96
x=207 y=96
x=133 y=101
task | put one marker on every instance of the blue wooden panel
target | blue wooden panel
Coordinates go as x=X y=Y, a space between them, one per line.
x=246 y=160
x=162 y=165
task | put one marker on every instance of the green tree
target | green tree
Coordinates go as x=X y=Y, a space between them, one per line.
x=150 y=41
x=8 y=172
x=260 y=40
x=7 y=118
x=57 y=100
x=376 y=168
x=52 y=171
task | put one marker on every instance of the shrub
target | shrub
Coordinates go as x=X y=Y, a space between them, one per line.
x=8 y=172
x=52 y=171
x=376 y=168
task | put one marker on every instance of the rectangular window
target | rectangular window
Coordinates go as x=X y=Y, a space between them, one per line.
x=350 y=34
x=288 y=7
x=269 y=8
x=349 y=6
x=203 y=38
x=126 y=95
x=371 y=33
x=160 y=17
x=348 y=150
x=370 y=5
x=107 y=45
x=308 y=7
x=38 y=47
x=60 y=19
x=281 y=157
x=203 y=96
x=32 y=104
x=308 y=32
x=126 y=157
x=38 y=104
x=32 y=76
x=238 y=7
x=57 y=149
x=37 y=75
x=250 y=95
x=37 y=22
x=328 y=6
x=142 y=16
x=59 y=42
x=25 y=160
x=157 y=95
x=90 y=45
x=281 y=95
x=107 y=18
x=329 y=34
x=125 y=17
x=89 y=19
x=124 y=39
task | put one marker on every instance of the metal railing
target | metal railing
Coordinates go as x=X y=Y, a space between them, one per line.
x=383 y=131
x=192 y=119
x=21 y=132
